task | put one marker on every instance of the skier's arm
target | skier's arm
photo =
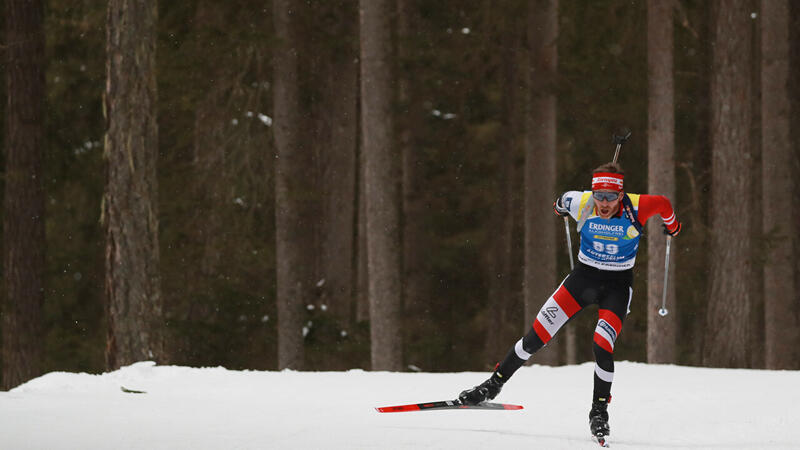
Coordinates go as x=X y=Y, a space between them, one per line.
x=568 y=203
x=650 y=205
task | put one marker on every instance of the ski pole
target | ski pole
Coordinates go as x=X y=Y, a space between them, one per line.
x=663 y=311
x=569 y=243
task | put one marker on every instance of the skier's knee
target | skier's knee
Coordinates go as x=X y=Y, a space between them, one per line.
x=607 y=330
x=531 y=343
x=603 y=357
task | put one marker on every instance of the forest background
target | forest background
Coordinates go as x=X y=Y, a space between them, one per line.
x=467 y=177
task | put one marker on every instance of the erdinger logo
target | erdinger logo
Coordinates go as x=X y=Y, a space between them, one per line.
x=601 y=227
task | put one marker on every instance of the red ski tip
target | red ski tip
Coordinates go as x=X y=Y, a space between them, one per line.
x=507 y=406
x=401 y=408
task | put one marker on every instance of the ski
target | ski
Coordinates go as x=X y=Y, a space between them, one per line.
x=447 y=404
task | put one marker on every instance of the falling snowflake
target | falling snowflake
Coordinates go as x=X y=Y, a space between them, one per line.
x=265 y=119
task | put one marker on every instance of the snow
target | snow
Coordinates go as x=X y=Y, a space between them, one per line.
x=654 y=407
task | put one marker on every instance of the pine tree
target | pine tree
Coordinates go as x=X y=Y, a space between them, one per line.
x=661 y=331
x=294 y=193
x=540 y=165
x=382 y=185
x=23 y=215
x=130 y=204
x=503 y=326
x=727 y=339
x=782 y=313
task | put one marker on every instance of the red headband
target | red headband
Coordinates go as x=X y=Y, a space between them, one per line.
x=606 y=181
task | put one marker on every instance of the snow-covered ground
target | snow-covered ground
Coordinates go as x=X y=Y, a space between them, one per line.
x=655 y=406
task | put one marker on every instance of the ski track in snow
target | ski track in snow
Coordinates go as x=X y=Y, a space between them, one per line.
x=653 y=407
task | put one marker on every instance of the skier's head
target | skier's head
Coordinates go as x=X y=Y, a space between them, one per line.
x=607 y=189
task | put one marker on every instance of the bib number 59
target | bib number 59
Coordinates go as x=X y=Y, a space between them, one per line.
x=610 y=249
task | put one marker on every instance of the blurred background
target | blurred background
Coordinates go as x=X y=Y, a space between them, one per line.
x=338 y=185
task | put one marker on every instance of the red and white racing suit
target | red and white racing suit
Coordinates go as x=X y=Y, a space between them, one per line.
x=603 y=276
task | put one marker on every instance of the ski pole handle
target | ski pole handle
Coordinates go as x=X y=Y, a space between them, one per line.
x=569 y=243
x=620 y=138
x=663 y=311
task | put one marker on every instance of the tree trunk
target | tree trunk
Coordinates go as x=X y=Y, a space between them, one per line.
x=23 y=216
x=362 y=276
x=130 y=207
x=781 y=312
x=499 y=255
x=418 y=302
x=382 y=185
x=727 y=340
x=540 y=167
x=757 y=253
x=661 y=331
x=794 y=91
x=294 y=194
x=338 y=122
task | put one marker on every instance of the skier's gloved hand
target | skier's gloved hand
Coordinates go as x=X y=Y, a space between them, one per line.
x=674 y=232
x=559 y=208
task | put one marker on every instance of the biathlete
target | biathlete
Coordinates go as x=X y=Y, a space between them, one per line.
x=609 y=240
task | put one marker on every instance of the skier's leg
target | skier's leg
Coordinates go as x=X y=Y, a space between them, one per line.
x=556 y=311
x=612 y=312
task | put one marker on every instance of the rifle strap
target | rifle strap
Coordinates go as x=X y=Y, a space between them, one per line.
x=627 y=207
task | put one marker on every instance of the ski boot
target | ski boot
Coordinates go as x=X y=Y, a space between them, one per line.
x=598 y=420
x=483 y=392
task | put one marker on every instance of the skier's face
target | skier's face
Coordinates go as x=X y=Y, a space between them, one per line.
x=607 y=208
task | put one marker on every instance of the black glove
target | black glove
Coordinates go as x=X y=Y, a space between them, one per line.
x=559 y=209
x=673 y=233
